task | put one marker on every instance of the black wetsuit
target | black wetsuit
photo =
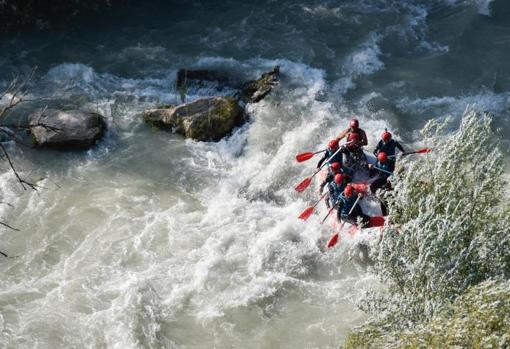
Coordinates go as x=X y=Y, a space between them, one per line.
x=389 y=148
x=344 y=206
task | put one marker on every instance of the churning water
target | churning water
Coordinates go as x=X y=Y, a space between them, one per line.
x=151 y=241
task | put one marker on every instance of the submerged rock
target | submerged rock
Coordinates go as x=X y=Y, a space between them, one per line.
x=188 y=77
x=64 y=130
x=250 y=92
x=184 y=75
x=255 y=91
x=206 y=119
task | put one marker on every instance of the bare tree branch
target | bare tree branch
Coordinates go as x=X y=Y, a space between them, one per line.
x=14 y=95
x=8 y=226
x=29 y=127
x=20 y=180
x=18 y=92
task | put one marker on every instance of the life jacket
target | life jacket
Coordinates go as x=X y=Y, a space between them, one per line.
x=358 y=132
x=389 y=148
x=387 y=166
x=335 y=190
x=337 y=158
x=329 y=178
x=348 y=203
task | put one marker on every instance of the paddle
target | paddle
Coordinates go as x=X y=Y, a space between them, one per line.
x=329 y=212
x=376 y=221
x=380 y=169
x=334 y=239
x=419 y=151
x=308 y=212
x=355 y=203
x=306 y=182
x=306 y=156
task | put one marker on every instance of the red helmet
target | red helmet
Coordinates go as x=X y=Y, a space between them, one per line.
x=348 y=191
x=382 y=157
x=335 y=167
x=354 y=123
x=339 y=178
x=333 y=144
x=386 y=136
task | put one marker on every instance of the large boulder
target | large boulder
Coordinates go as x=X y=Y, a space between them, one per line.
x=255 y=91
x=64 y=130
x=206 y=119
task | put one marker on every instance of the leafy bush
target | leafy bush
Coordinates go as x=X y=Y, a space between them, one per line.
x=478 y=319
x=449 y=227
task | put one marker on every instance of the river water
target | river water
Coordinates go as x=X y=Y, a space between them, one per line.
x=149 y=240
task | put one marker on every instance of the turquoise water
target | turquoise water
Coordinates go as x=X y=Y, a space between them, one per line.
x=151 y=241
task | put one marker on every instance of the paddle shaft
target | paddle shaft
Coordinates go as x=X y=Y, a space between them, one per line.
x=326 y=162
x=380 y=169
x=329 y=212
x=355 y=203
x=306 y=182
x=419 y=151
x=331 y=157
x=322 y=197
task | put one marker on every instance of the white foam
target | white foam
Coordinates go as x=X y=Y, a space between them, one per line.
x=362 y=62
x=484 y=7
x=205 y=236
x=496 y=103
x=323 y=11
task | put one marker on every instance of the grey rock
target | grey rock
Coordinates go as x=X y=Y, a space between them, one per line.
x=66 y=130
x=184 y=75
x=187 y=78
x=206 y=119
x=255 y=91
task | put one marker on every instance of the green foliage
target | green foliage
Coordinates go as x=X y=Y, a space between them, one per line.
x=449 y=226
x=478 y=319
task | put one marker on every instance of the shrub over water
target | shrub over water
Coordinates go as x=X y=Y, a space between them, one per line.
x=449 y=226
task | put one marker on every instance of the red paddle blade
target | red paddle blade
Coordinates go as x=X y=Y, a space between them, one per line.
x=360 y=187
x=376 y=221
x=304 y=157
x=333 y=240
x=303 y=185
x=424 y=150
x=306 y=213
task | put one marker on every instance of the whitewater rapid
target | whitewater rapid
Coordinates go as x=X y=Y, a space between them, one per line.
x=150 y=240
